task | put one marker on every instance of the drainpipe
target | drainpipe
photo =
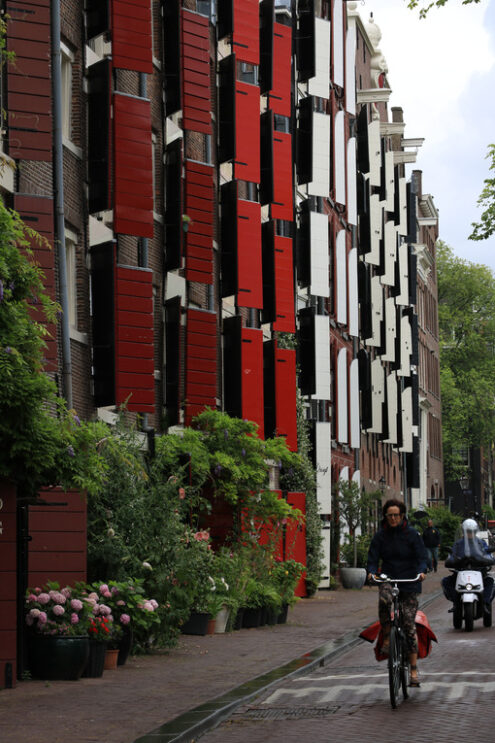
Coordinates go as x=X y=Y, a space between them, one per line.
x=58 y=188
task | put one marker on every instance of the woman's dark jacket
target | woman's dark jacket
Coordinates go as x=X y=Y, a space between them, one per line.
x=400 y=552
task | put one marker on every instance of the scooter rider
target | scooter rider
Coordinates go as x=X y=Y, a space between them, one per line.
x=469 y=546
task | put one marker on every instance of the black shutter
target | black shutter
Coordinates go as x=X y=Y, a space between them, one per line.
x=229 y=238
x=225 y=17
x=97 y=17
x=306 y=41
x=364 y=365
x=226 y=108
x=268 y=248
x=364 y=290
x=172 y=358
x=411 y=213
x=174 y=206
x=412 y=465
x=363 y=152
x=172 y=56
x=413 y=274
x=307 y=351
x=303 y=244
x=102 y=302
x=99 y=138
x=232 y=366
x=266 y=157
x=304 y=142
x=267 y=17
x=269 y=387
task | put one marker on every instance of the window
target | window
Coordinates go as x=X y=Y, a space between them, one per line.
x=248 y=73
x=70 y=258
x=281 y=123
x=206 y=7
x=67 y=59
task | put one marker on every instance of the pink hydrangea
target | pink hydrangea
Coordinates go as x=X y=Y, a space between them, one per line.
x=44 y=598
x=32 y=597
x=103 y=588
x=29 y=620
x=120 y=603
x=37 y=590
x=35 y=613
x=76 y=604
x=154 y=603
x=42 y=619
x=58 y=597
x=93 y=596
x=148 y=606
x=58 y=610
x=66 y=592
x=74 y=619
x=105 y=610
x=107 y=594
x=125 y=618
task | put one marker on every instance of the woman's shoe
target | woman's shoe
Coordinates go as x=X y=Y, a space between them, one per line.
x=414 y=681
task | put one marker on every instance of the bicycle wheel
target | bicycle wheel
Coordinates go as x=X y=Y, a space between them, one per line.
x=468 y=617
x=405 y=669
x=394 y=667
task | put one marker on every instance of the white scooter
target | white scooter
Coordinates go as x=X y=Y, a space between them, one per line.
x=468 y=603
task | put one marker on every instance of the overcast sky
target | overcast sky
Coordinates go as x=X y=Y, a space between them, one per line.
x=442 y=73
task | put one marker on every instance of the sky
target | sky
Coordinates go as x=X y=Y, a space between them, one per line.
x=442 y=73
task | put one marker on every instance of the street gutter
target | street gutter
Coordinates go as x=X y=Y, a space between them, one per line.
x=192 y=724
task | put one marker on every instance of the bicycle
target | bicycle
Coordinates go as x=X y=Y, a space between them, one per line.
x=398 y=657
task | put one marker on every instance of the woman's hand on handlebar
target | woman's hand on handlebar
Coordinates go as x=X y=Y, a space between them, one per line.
x=422 y=576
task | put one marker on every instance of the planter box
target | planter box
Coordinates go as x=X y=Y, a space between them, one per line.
x=251 y=618
x=58 y=658
x=197 y=624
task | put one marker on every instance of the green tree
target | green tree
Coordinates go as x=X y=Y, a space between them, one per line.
x=486 y=227
x=425 y=7
x=466 y=310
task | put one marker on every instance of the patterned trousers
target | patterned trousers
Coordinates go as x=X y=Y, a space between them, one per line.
x=409 y=604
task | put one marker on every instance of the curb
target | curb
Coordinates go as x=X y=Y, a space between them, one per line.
x=199 y=720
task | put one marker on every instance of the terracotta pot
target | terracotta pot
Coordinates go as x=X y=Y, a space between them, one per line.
x=111 y=657
x=210 y=627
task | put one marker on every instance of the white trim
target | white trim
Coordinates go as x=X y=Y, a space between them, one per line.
x=374 y=95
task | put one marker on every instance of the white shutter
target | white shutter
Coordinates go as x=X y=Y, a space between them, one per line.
x=339 y=157
x=319 y=285
x=350 y=68
x=392 y=390
x=390 y=329
x=390 y=251
x=351 y=182
x=322 y=361
x=376 y=212
x=407 y=428
x=353 y=293
x=376 y=312
x=403 y=297
x=403 y=206
x=389 y=181
x=354 y=404
x=323 y=441
x=405 y=347
x=377 y=396
x=338 y=42
x=319 y=85
x=341 y=289
x=375 y=150
x=342 y=398
x=320 y=185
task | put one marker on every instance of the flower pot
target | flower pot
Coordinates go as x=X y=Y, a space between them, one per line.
x=221 y=619
x=238 y=618
x=96 y=660
x=271 y=615
x=57 y=658
x=111 y=657
x=210 y=627
x=352 y=577
x=282 y=615
x=197 y=624
x=251 y=618
x=125 y=645
x=262 y=616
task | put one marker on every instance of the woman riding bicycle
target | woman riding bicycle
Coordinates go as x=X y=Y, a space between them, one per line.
x=399 y=551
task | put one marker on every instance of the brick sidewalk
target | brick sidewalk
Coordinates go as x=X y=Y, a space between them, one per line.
x=151 y=690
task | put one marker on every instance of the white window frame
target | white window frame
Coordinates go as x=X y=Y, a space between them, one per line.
x=66 y=63
x=71 y=276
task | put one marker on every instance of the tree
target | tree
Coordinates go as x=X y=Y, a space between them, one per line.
x=486 y=227
x=412 y=4
x=352 y=504
x=466 y=309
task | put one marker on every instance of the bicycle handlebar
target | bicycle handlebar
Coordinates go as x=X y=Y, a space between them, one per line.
x=385 y=579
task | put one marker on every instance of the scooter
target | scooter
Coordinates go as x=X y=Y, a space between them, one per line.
x=468 y=602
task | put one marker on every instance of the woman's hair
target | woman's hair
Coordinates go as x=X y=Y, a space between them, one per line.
x=394 y=502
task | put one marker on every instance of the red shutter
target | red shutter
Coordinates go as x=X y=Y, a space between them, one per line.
x=37 y=212
x=201 y=362
x=133 y=169
x=28 y=80
x=252 y=377
x=199 y=207
x=131 y=35
x=285 y=395
x=247 y=133
x=8 y=580
x=246 y=37
x=57 y=550
x=280 y=94
x=295 y=539
x=196 y=80
x=134 y=351
x=284 y=286
x=249 y=265
x=282 y=206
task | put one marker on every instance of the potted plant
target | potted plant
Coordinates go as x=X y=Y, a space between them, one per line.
x=99 y=631
x=286 y=575
x=351 y=502
x=254 y=596
x=58 y=643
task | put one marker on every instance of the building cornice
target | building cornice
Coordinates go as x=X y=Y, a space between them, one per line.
x=374 y=95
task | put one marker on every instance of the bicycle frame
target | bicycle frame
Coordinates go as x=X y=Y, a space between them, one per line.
x=398 y=658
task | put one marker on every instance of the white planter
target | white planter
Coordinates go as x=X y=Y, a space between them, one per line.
x=352 y=577
x=221 y=619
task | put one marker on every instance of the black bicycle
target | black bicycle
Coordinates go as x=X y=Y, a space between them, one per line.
x=398 y=657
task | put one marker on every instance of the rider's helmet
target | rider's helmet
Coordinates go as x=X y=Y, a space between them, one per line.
x=469 y=527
